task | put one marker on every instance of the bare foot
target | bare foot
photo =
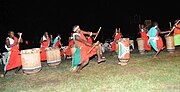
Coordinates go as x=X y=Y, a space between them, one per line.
x=101 y=60
x=155 y=57
x=16 y=73
x=163 y=48
x=77 y=72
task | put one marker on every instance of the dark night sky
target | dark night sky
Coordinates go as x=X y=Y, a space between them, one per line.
x=34 y=17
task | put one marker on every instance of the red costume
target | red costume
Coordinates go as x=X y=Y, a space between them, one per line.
x=90 y=40
x=58 y=43
x=177 y=30
x=44 y=45
x=68 y=50
x=113 y=45
x=159 y=42
x=145 y=37
x=84 y=49
x=14 y=58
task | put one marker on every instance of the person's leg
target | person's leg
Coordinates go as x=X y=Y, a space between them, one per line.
x=99 y=55
x=111 y=53
x=3 y=73
x=155 y=56
x=17 y=70
x=82 y=66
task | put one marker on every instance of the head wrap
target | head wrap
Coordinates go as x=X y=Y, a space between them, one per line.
x=75 y=28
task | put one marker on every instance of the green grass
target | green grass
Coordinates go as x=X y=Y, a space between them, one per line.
x=142 y=74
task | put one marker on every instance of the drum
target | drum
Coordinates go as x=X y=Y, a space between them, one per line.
x=124 y=52
x=170 y=44
x=53 y=56
x=31 y=62
x=140 y=42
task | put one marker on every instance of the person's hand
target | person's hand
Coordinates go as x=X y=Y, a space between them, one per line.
x=19 y=33
x=97 y=43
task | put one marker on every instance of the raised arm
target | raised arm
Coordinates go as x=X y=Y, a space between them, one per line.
x=51 y=38
x=21 y=40
x=162 y=32
x=81 y=40
x=41 y=40
x=88 y=33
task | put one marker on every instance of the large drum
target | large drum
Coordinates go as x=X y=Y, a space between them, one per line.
x=31 y=62
x=140 y=42
x=124 y=52
x=53 y=56
x=170 y=44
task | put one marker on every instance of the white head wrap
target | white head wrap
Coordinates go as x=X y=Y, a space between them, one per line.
x=75 y=28
x=155 y=26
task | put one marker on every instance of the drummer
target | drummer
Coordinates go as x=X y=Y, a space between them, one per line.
x=84 y=46
x=68 y=50
x=12 y=46
x=45 y=42
x=57 y=42
x=143 y=32
x=117 y=36
x=177 y=34
x=154 y=39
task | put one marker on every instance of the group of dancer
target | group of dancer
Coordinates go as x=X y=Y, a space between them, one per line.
x=152 y=38
x=84 y=44
x=79 y=39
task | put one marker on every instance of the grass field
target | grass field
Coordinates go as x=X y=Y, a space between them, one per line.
x=142 y=74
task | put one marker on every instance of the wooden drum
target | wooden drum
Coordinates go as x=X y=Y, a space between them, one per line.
x=53 y=56
x=170 y=44
x=31 y=62
x=124 y=52
x=140 y=42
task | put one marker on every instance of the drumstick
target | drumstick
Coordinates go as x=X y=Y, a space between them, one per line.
x=173 y=27
x=170 y=25
x=93 y=47
x=97 y=33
